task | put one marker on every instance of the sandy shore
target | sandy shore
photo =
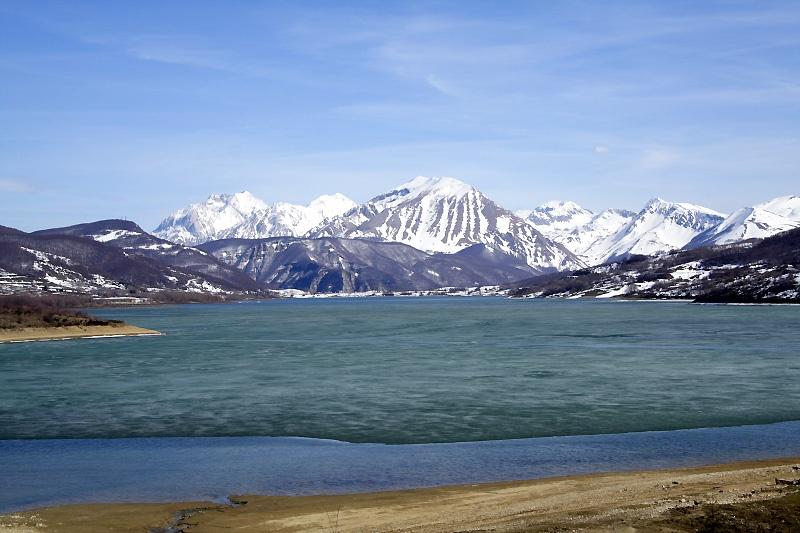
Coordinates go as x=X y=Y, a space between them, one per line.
x=663 y=500
x=72 y=332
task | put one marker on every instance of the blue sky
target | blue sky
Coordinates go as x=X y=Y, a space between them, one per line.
x=133 y=109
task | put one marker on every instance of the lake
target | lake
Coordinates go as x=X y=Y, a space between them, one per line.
x=392 y=393
x=409 y=370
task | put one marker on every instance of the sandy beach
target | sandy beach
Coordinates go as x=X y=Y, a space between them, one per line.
x=662 y=500
x=72 y=332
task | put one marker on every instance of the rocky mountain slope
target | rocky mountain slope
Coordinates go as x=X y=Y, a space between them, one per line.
x=242 y=215
x=129 y=237
x=117 y=257
x=330 y=264
x=764 y=271
x=71 y=263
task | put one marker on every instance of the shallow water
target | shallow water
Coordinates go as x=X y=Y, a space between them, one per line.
x=37 y=473
x=410 y=370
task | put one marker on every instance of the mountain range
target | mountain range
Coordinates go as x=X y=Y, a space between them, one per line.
x=425 y=234
x=445 y=215
x=615 y=234
x=434 y=215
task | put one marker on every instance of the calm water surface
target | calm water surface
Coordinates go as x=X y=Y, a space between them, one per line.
x=410 y=370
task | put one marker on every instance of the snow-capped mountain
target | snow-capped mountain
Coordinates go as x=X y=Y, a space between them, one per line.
x=575 y=227
x=288 y=220
x=757 y=222
x=617 y=233
x=658 y=228
x=201 y=222
x=243 y=215
x=446 y=215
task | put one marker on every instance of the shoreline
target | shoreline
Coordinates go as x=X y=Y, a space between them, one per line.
x=652 y=500
x=73 y=332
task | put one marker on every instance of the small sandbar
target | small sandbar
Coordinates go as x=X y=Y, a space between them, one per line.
x=73 y=332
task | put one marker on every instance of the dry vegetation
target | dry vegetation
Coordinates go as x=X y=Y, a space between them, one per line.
x=28 y=311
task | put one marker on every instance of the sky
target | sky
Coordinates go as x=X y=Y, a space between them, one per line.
x=134 y=109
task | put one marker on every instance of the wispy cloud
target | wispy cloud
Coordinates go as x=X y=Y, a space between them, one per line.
x=164 y=52
x=439 y=85
x=13 y=185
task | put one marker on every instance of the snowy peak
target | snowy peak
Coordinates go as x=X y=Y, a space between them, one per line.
x=757 y=222
x=435 y=187
x=557 y=210
x=657 y=205
x=438 y=186
x=242 y=203
x=558 y=217
x=331 y=205
x=245 y=202
x=246 y=216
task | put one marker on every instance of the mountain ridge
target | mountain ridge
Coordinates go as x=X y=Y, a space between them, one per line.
x=446 y=215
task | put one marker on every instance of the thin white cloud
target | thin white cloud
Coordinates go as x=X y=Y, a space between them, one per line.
x=439 y=85
x=195 y=53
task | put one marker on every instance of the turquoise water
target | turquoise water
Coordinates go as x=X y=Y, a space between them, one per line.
x=410 y=370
